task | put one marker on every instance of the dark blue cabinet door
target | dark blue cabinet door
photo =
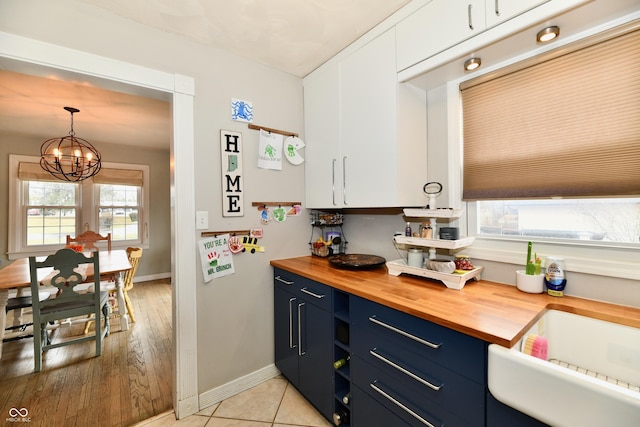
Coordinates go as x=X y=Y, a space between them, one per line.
x=315 y=367
x=286 y=334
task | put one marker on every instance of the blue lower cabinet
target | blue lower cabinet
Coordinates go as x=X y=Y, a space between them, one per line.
x=501 y=415
x=304 y=338
x=422 y=372
x=413 y=402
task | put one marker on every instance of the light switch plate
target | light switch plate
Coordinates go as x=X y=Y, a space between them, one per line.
x=202 y=220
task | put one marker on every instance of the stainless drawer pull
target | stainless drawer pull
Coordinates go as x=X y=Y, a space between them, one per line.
x=308 y=292
x=497 y=8
x=406 y=334
x=405 y=371
x=300 y=351
x=469 y=7
x=291 y=344
x=401 y=406
x=281 y=280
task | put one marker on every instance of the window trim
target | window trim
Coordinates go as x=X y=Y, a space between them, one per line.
x=87 y=208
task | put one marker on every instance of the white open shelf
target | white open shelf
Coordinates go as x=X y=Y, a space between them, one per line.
x=451 y=281
x=434 y=243
x=433 y=213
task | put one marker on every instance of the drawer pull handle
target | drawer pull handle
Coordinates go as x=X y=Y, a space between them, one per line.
x=300 y=351
x=308 y=292
x=291 y=344
x=281 y=280
x=405 y=371
x=406 y=334
x=400 y=405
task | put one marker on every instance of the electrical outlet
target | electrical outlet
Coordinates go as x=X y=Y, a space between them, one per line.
x=202 y=220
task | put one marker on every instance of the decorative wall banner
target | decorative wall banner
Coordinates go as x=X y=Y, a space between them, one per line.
x=232 y=183
x=216 y=257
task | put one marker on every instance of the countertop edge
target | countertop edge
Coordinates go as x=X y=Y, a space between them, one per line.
x=493 y=312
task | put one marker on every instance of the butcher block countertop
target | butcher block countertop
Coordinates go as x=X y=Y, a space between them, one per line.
x=493 y=312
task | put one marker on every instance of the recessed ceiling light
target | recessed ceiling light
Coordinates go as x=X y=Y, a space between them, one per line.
x=548 y=34
x=471 y=64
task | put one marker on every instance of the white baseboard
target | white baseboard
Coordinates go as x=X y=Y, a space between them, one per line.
x=151 y=277
x=236 y=386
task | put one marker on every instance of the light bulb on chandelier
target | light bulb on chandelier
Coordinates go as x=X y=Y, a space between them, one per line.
x=70 y=158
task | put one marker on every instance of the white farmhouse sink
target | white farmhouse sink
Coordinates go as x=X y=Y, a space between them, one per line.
x=591 y=378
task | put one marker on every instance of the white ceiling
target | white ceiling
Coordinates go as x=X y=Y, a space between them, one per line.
x=294 y=36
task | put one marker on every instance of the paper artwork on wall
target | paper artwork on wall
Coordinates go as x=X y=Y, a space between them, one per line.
x=215 y=257
x=232 y=183
x=279 y=214
x=241 y=111
x=291 y=146
x=270 y=150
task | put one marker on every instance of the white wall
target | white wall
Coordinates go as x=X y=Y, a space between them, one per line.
x=235 y=314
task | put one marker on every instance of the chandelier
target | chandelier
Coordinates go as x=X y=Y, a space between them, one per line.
x=70 y=158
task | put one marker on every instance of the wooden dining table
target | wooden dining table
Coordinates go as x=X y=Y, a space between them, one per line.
x=17 y=276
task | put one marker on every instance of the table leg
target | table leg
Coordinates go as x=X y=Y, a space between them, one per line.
x=122 y=307
x=4 y=296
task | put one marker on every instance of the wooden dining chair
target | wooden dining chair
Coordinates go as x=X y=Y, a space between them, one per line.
x=18 y=304
x=134 y=255
x=89 y=239
x=68 y=271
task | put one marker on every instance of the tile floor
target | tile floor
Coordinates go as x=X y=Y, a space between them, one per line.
x=274 y=403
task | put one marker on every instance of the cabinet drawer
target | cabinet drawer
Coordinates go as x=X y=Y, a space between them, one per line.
x=310 y=291
x=367 y=412
x=377 y=326
x=435 y=388
x=407 y=400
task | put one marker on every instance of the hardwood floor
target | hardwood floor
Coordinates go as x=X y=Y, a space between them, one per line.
x=129 y=383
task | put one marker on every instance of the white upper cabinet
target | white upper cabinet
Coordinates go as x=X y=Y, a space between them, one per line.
x=365 y=133
x=437 y=26
x=323 y=179
x=498 y=11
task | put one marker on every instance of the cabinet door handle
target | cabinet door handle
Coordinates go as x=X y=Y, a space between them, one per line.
x=469 y=7
x=291 y=344
x=496 y=8
x=403 y=333
x=313 y=294
x=405 y=371
x=281 y=280
x=300 y=352
x=344 y=180
x=333 y=180
x=400 y=405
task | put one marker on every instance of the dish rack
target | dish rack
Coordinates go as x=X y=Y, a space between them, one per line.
x=451 y=280
x=327 y=237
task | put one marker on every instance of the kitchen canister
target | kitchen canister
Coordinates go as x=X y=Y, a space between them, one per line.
x=415 y=257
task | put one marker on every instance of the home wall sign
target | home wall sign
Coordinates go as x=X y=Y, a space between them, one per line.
x=232 y=183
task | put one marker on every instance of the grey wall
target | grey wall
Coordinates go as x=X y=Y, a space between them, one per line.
x=157 y=258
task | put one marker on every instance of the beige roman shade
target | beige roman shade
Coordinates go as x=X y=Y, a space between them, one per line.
x=565 y=127
x=33 y=172
x=119 y=177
